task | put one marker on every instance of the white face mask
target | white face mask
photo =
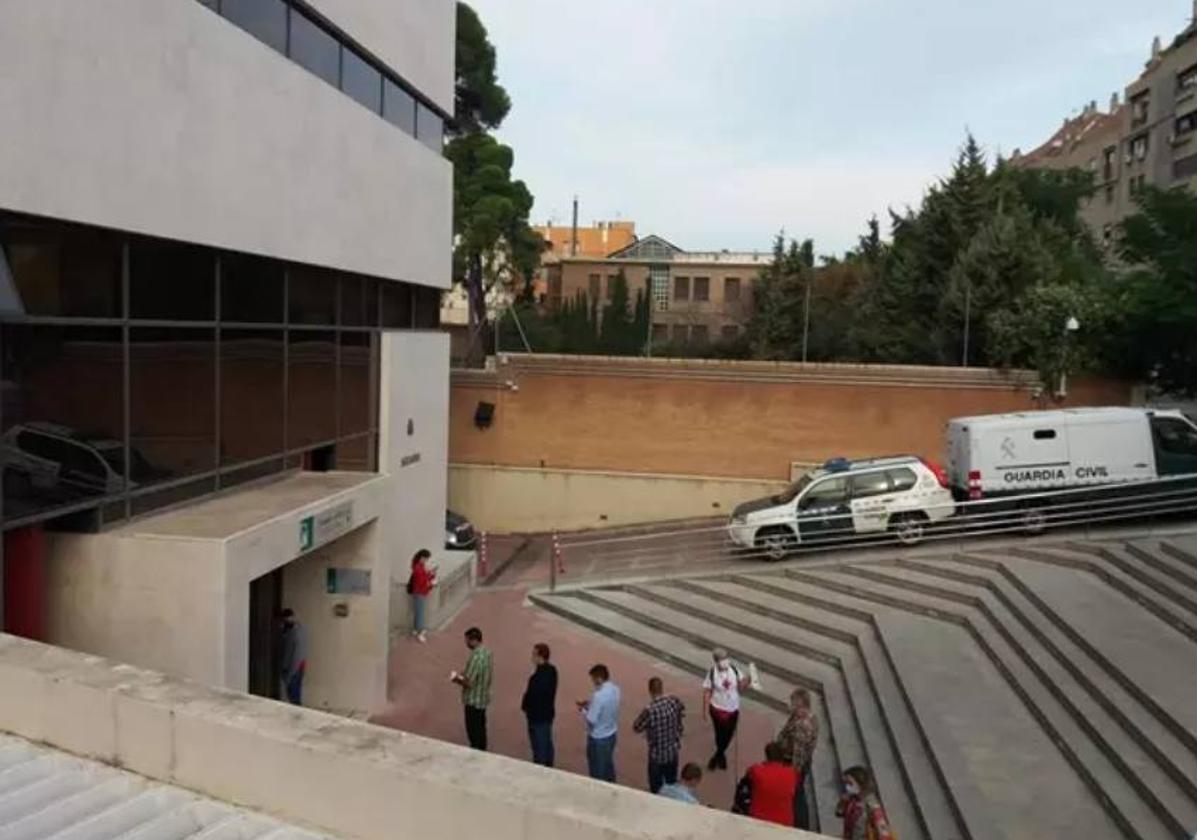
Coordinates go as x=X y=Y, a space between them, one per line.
x=723 y=664
x=851 y=788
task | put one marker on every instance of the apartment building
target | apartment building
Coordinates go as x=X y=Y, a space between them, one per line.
x=1150 y=137
x=225 y=226
x=596 y=240
x=697 y=296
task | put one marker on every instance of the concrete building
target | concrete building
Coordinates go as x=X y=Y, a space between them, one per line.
x=1148 y=139
x=697 y=296
x=224 y=231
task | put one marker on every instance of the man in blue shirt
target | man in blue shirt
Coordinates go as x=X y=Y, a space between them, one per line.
x=687 y=789
x=601 y=713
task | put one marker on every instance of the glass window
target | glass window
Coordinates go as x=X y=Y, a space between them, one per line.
x=1174 y=435
x=356 y=454
x=50 y=269
x=430 y=128
x=357 y=365
x=681 y=333
x=251 y=473
x=314 y=48
x=171 y=281
x=399 y=107
x=63 y=409
x=361 y=80
x=660 y=333
x=251 y=289
x=359 y=301
x=700 y=334
x=681 y=288
x=596 y=286
x=396 y=305
x=702 y=288
x=312 y=295
x=903 y=479
x=172 y=402
x=428 y=308
x=731 y=289
x=311 y=384
x=266 y=20
x=175 y=495
x=826 y=491
x=869 y=484
x=251 y=394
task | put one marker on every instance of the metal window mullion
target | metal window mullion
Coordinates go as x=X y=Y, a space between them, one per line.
x=338 y=317
x=286 y=356
x=216 y=377
x=127 y=378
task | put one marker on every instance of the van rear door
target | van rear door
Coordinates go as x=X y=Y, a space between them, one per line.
x=958 y=460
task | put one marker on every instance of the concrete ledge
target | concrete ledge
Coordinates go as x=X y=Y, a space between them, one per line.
x=340 y=776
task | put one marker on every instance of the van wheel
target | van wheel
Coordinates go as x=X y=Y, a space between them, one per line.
x=909 y=528
x=1033 y=518
x=775 y=542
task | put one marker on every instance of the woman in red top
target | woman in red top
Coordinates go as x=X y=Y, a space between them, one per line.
x=418 y=586
x=767 y=790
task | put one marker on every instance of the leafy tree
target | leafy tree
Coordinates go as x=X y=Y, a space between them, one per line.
x=495 y=243
x=1159 y=243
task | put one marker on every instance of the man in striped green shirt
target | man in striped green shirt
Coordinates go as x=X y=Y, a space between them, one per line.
x=475 y=682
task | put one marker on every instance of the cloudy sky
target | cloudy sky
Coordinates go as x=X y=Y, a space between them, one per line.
x=715 y=123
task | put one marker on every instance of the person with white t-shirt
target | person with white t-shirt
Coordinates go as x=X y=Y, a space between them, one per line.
x=721 y=700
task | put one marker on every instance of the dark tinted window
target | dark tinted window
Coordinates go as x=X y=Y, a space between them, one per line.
x=59 y=270
x=428 y=308
x=399 y=107
x=175 y=435
x=171 y=281
x=396 y=305
x=1045 y=434
x=145 y=502
x=251 y=289
x=430 y=128
x=356 y=454
x=251 y=394
x=361 y=80
x=312 y=296
x=356 y=374
x=359 y=301
x=266 y=20
x=70 y=378
x=1174 y=436
x=311 y=384
x=903 y=479
x=314 y=48
x=869 y=484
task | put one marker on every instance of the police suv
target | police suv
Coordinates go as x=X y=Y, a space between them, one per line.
x=900 y=495
x=1017 y=458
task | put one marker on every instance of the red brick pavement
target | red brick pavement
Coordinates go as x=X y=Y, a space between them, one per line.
x=424 y=702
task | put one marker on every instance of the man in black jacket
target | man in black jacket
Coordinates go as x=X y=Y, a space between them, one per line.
x=539 y=705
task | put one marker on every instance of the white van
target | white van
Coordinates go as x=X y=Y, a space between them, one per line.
x=1005 y=455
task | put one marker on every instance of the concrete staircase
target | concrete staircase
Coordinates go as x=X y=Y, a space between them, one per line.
x=1041 y=692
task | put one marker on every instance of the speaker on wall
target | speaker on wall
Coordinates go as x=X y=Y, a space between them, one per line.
x=484 y=415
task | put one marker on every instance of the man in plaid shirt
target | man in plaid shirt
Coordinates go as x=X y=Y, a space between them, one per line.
x=661 y=723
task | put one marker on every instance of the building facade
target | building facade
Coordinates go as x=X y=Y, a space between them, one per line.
x=218 y=220
x=696 y=297
x=1147 y=138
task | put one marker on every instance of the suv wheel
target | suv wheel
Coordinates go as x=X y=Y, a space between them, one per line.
x=909 y=528
x=776 y=542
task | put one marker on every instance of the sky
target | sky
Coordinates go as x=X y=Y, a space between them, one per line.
x=718 y=123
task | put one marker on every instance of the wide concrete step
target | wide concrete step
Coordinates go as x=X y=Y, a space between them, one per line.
x=777 y=634
x=975 y=710
x=1142 y=564
x=1135 y=640
x=686 y=655
x=779 y=615
x=1162 y=787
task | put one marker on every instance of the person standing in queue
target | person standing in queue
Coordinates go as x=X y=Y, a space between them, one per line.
x=721 y=700
x=661 y=723
x=540 y=705
x=601 y=714
x=475 y=682
x=860 y=808
x=767 y=790
x=293 y=658
x=797 y=739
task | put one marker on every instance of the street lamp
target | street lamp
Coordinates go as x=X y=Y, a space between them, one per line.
x=1070 y=326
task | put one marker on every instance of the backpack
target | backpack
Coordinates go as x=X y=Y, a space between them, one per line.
x=734 y=670
x=411 y=589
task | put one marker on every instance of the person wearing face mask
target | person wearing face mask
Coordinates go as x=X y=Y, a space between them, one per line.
x=721 y=701
x=860 y=808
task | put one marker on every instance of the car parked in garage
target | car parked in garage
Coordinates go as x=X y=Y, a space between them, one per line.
x=901 y=495
x=459 y=533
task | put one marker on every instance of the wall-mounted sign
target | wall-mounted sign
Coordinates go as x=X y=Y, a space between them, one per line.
x=325 y=526
x=347 y=581
x=408 y=460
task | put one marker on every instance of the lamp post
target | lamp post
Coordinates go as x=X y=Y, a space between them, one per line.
x=1070 y=326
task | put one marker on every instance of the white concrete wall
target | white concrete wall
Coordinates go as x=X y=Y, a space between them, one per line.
x=529 y=500
x=353 y=780
x=159 y=117
x=409 y=37
x=414 y=387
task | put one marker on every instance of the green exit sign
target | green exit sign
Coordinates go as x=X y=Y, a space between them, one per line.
x=307 y=533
